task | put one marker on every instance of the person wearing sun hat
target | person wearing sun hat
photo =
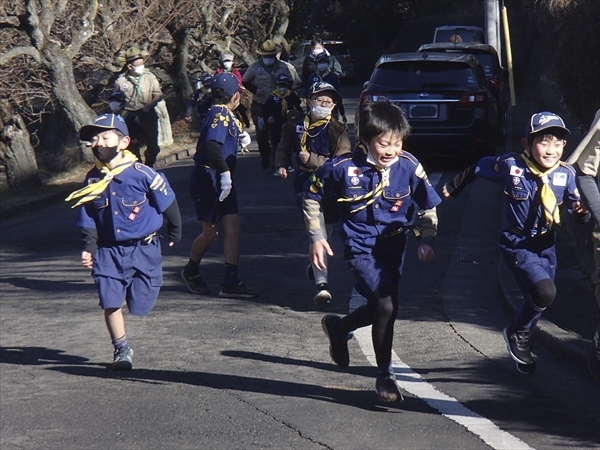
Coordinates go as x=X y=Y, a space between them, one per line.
x=142 y=92
x=535 y=184
x=122 y=205
x=260 y=79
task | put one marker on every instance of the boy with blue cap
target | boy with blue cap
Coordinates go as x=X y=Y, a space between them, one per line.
x=122 y=210
x=213 y=192
x=536 y=182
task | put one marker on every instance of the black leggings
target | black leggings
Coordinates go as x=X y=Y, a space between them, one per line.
x=380 y=311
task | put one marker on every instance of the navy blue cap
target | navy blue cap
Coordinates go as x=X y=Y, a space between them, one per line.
x=102 y=123
x=282 y=78
x=226 y=81
x=544 y=120
x=323 y=86
x=206 y=79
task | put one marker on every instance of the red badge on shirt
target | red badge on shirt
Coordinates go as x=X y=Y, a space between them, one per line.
x=396 y=206
x=134 y=213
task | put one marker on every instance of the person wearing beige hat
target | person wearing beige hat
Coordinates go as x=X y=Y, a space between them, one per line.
x=142 y=93
x=259 y=79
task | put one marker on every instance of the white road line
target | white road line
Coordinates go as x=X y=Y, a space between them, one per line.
x=448 y=406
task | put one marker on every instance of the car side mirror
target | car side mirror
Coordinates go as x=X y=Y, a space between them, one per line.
x=365 y=84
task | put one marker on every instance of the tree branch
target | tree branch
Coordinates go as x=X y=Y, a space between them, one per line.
x=19 y=51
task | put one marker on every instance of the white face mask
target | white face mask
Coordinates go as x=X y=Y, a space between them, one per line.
x=227 y=64
x=318 y=51
x=282 y=90
x=268 y=61
x=320 y=112
x=139 y=69
x=322 y=66
x=114 y=106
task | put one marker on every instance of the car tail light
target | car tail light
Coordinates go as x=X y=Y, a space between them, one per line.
x=370 y=97
x=477 y=98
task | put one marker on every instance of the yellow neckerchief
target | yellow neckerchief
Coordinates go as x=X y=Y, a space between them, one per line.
x=311 y=126
x=546 y=194
x=377 y=190
x=225 y=118
x=284 y=104
x=93 y=190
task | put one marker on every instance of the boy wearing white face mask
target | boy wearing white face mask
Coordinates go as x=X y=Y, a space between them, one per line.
x=309 y=65
x=314 y=139
x=142 y=92
x=324 y=73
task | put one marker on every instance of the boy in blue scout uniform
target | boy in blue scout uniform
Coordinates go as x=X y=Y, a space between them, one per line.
x=314 y=138
x=213 y=192
x=275 y=110
x=122 y=210
x=536 y=182
x=378 y=189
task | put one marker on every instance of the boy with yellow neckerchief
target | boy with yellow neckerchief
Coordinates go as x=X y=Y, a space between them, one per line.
x=122 y=210
x=213 y=191
x=314 y=139
x=536 y=182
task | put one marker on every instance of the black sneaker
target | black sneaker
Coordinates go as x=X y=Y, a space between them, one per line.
x=195 y=283
x=123 y=359
x=526 y=369
x=593 y=357
x=323 y=295
x=387 y=389
x=238 y=290
x=338 y=346
x=310 y=273
x=517 y=343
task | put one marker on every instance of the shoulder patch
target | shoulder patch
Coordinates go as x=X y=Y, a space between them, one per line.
x=420 y=172
x=148 y=171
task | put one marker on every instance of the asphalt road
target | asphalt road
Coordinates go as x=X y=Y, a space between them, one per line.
x=219 y=373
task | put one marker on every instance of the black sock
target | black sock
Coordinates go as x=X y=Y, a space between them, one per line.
x=192 y=268
x=231 y=274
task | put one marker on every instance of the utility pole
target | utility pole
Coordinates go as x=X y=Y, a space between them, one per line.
x=492 y=24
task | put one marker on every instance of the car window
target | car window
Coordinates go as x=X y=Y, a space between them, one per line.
x=337 y=49
x=298 y=52
x=466 y=35
x=425 y=74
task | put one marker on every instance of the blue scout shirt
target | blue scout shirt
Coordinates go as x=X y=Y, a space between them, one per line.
x=523 y=210
x=221 y=126
x=363 y=220
x=130 y=207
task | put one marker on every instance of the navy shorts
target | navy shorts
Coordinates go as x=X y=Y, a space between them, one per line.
x=205 y=191
x=378 y=272
x=129 y=274
x=530 y=259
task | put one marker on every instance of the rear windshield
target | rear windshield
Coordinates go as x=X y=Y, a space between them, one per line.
x=424 y=74
x=337 y=49
x=466 y=35
x=485 y=59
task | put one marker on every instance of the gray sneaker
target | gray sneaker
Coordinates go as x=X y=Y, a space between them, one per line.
x=195 y=284
x=517 y=344
x=123 y=359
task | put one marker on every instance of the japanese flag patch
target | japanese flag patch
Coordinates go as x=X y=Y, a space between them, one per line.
x=516 y=171
x=354 y=171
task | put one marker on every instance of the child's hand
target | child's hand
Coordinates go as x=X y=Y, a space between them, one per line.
x=446 y=193
x=87 y=260
x=580 y=208
x=282 y=172
x=316 y=252
x=425 y=253
x=304 y=156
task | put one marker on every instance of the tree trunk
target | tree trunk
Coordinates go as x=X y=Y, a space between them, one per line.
x=178 y=70
x=16 y=149
x=64 y=87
